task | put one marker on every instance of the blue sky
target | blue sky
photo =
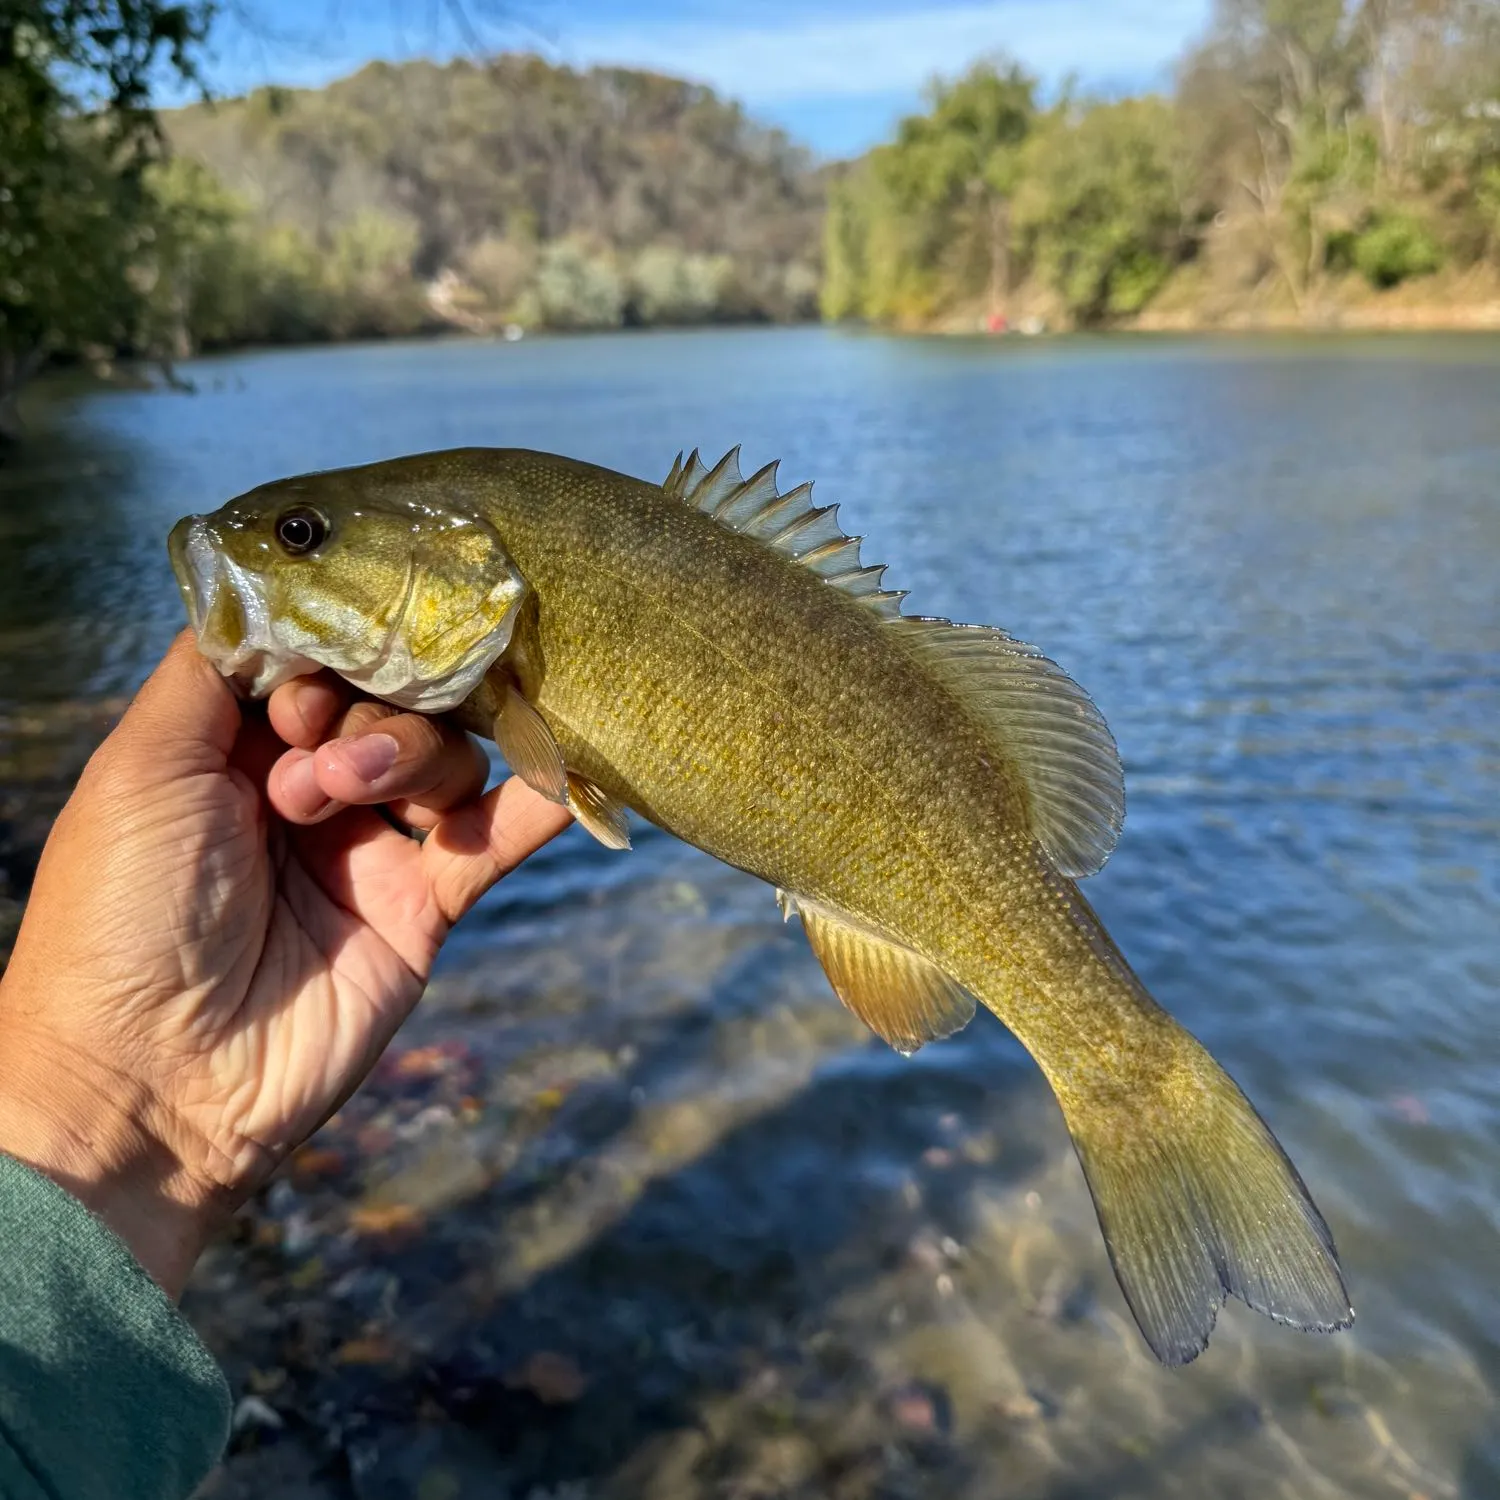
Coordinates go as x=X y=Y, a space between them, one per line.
x=835 y=73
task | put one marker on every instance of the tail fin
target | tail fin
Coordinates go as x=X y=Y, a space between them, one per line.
x=1198 y=1200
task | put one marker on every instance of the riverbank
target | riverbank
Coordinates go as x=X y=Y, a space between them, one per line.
x=1412 y=309
x=1189 y=303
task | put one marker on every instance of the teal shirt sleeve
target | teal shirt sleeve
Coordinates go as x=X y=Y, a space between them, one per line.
x=105 y=1390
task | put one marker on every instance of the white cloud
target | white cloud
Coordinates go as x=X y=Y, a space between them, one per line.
x=851 y=56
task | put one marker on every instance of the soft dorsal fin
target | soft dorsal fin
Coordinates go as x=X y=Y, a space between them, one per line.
x=901 y=996
x=1047 y=726
x=790 y=522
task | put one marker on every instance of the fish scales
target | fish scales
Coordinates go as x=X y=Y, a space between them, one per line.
x=740 y=686
x=711 y=654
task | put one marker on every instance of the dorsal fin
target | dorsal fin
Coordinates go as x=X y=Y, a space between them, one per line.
x=1048 y=727
x=788 y=521
x=1045 y=724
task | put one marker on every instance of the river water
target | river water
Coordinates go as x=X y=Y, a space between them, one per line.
x=636 y=1209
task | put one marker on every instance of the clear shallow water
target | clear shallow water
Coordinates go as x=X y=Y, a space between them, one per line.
x=784 y=1260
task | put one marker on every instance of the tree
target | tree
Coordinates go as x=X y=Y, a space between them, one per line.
x=1098 y=206
x=956 y=167
x=76 y=134
x=926 y=220
x=577 y=289
x=1281 y=81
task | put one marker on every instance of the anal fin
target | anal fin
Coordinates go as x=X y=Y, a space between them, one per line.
x=902 y=997
x=528 y=746
x=598 y=812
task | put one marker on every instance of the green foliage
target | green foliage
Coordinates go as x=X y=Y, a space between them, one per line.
x=367 y=277
x=71 y=221
x=535 y=193
x=75 y=135
x=1083 y=197
x=577 y=289
x=668 y=286
x=196 y=282
x=1487 y=206
x=1098 y=209
x=924 y=221
x=214 y=277
x=1308 y=140
x=1395 y=248
x=846 y=235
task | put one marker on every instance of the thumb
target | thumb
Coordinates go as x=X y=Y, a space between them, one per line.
x=184 y=708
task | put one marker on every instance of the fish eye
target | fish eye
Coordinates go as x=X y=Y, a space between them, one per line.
x=301 y=529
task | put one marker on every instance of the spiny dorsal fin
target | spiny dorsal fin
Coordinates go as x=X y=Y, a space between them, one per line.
x=790 y=522
x=1048 y=727
x=1044 y=722
x=898 y=994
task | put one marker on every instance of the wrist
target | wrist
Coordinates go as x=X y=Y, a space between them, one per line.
x=92 y=1131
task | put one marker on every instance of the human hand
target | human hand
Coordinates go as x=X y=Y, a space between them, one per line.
x=225 y=933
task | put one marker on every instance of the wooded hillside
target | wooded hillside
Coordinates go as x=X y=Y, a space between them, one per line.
x=482 y=192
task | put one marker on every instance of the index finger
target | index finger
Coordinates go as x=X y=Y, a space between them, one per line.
x=478 y=843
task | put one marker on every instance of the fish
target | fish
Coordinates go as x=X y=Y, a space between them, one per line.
x=712 y=654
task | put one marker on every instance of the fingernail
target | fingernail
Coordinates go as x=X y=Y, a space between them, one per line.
x=369 y=756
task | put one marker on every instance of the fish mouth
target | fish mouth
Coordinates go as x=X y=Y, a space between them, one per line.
x=227 y=609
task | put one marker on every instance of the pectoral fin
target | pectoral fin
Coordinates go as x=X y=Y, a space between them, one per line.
x=528 y=747
x=598 y=812
x=901 y=996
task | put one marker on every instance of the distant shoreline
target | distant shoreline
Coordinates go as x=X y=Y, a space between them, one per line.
x=1476 y=318
x=73 y=380
x=1332 y=319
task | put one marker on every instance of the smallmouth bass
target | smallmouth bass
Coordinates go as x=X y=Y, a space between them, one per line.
x=712 y=653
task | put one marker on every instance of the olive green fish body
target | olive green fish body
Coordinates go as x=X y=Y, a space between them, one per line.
x=745 y=706
x=738 y=702
x=713 y=654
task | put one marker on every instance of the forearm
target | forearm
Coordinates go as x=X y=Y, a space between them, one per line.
x=99 y=1135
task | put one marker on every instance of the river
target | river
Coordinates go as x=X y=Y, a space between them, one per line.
x=636 y=1208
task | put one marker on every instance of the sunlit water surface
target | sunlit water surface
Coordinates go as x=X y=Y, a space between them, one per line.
x=755 y=1252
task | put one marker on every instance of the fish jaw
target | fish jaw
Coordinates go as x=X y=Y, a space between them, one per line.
x=227 y=610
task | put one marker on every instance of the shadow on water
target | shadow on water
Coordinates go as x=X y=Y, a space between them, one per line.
x=82 y=571
x=681 y=1294
x=727 y=1338
x=78 y=592
x=747 y=1254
